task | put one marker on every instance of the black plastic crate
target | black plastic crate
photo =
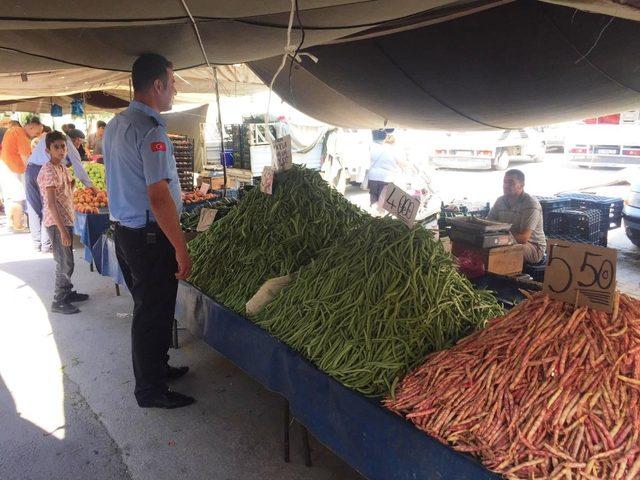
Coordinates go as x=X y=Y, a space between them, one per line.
x=585 y=224
x=550 y=204
x=610 y=207
x=569 y=238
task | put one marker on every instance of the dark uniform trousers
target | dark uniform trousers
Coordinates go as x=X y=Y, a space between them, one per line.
x=148 y=264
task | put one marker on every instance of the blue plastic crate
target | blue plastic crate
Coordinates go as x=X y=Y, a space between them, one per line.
x=610 y=207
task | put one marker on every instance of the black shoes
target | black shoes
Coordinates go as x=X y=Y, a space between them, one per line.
x=64 y=307
x=176 y=372
x=76 y=297
x=166 y=399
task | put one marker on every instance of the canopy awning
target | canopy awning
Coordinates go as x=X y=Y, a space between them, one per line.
x=451 y=64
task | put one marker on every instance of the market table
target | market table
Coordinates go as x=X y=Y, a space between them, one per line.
x=374 y=441
x=89 y=227
x=105 y=260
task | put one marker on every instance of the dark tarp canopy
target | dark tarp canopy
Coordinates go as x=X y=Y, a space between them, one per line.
x=95 y=101
x=466 y=64
x=515 y=65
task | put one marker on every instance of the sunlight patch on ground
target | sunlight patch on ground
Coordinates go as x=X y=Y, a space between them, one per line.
x=29 y=361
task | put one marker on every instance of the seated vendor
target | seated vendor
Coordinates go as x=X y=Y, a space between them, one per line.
x=524 y=213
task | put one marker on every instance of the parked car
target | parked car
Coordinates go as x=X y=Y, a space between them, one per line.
x=632 y=215
x=488 y=150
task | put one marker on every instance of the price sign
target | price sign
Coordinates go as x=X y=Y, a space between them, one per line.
x=266 y=181
x=207 y=216
x=400 y=203
x=581 y=274
x=282 y=153
x=204 y=188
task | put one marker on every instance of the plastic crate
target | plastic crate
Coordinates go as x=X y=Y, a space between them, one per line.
x=610 y=207
x=550 y=204
x=585 y=224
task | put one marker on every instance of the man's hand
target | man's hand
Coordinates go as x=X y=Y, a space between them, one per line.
x=66 y=237
x=184 y=264
x=93 y=189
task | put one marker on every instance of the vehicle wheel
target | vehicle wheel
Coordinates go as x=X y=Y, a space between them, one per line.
x=634 y=236
x=502 y=161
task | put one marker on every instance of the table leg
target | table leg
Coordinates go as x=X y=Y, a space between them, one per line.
x=117 y=290
x=175 y=334
x=91 y=267
x=305 y=446
x=286 y=430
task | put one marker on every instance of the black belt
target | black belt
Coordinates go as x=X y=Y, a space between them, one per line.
x=153 y=225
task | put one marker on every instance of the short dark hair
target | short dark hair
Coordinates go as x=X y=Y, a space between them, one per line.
x=46 y=128
x=54 y=137
x=147 y=68
x=101 y=124
x=68 y=126
x=517 y=174
x=34 y=121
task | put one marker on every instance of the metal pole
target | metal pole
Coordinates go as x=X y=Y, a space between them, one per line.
x=220 y=128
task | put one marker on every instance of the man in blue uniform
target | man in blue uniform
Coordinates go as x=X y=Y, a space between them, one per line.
x=144 y=202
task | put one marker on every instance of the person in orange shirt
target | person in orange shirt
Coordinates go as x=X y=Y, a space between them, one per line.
x=16 y=149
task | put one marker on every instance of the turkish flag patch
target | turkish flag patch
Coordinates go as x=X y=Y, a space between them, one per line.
x=158 y=147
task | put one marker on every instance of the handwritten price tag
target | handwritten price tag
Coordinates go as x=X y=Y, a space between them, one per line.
x=266 y=181
x=282 y=152
x=399 y=203
x=207 y=216
x=581 y=274
x=204 y=188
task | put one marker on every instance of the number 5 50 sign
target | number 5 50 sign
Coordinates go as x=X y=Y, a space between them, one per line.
x=582 y=274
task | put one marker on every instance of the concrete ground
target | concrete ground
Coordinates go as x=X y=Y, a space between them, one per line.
x=66 y=395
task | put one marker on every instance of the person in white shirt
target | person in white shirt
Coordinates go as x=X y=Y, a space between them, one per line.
x=385 y=167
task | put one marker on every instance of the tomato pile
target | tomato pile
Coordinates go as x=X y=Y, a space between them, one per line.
x=86 y=201
x=196 y=196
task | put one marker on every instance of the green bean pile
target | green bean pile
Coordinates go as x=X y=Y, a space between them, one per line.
x=372 y=306
x=189 y=220
x=268 y=236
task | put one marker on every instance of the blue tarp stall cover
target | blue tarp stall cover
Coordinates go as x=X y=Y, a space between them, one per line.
x=374 y=441
x=90 y=227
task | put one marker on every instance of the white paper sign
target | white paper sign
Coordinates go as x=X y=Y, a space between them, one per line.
x=399 y=203
x=282 y=152
x=204 y=188
x=207 y=216
x=266 y=181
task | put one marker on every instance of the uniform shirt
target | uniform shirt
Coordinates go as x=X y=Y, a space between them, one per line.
x=39 y=156
x=14 y=144
x=137 y=153
x=384 y=166
x=59 y=177
x=525 y=213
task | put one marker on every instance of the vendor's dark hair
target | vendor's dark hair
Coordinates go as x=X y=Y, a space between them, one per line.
x=517 y=174
x=46 y=129
x=54 y=137
x=34 y=121
x=101 y=124
x=147 y=68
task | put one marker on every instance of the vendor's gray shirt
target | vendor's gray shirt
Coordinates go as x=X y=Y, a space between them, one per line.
x=525 y=213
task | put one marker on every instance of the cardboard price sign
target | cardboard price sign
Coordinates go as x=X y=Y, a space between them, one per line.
x=282 y=153
x=207 y=216
x=400 y=203
x=204 y=188
x=266 y=181
x=581 y=274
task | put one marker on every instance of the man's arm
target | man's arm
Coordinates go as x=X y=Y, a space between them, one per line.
x=523 y=237
x=164 y=210
x=57 y=218
x=78 y=168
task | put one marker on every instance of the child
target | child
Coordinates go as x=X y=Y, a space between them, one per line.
x=55 y=185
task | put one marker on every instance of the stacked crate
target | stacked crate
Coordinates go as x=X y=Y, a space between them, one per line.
x=183 y=151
